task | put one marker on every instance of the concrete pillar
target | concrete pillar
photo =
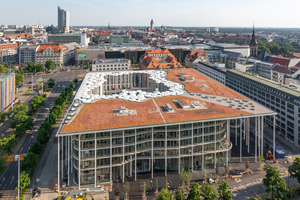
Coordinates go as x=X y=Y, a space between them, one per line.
x=58 y=159
x=274 y=132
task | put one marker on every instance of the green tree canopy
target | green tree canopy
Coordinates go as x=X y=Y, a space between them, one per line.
x=37 y=102
x=30 y=161
x=194 y=193
x=8 y=143
x=30 y=67
x=39 y=67
x=36 y=148
x=208 y=192
x=24 y=181
x=2 y=165
x=51 y=82
x=179 y=194
x=18 y=79
x=164 y=195
x=223 y=191
x=49 y=64
x=2 y=68
x=274 y=183
x=294 y=169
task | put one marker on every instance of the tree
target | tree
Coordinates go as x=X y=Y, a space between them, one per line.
x=43 y=136
x=36 y=148
x=261 y=160
x=49 y=64
x=217 y=171
x=274 y=183
x=179 y=194
x=72 y=85
x=247 y=165
x=24 y=181
x=117 y=191
x=18 y=79
x=2 y=165
x=88 y=64
x=126 y=188
x=227 y=170
x=183 y=176
x=18 y=118
x=223 y=191
x=24 y=126
x=164 y=194
x=57 y=110
x=30 y=161
x=194 y=193
x=8 y=143
x=144 y=190
x=30 y=66
x=294 y=169
x=204 y=176
x=2 y=68
x=52 y=118
x=208 y=192
x=37 y=102
x=39 y=67
x=51 y=82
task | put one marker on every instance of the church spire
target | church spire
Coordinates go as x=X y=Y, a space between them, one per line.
x=253 y=45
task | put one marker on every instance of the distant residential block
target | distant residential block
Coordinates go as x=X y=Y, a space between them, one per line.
x=159 y=59
x=110 y=65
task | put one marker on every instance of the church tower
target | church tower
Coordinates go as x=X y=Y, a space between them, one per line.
x=152 y=25
x=253 y=45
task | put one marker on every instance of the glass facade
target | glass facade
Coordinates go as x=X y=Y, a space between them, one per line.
x=114 y=155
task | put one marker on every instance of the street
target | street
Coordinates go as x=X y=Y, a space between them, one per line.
x=10 y=177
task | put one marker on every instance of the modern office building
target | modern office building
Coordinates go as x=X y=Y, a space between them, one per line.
x=7 y=90
x=63 y=20
x=209 y=70
x=81 y=39
x=110 y=65
x=129 y=122
x=284 y=100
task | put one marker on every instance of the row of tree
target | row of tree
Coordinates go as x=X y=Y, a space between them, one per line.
x=206 y=192
x=46 y=129
x=31 y=67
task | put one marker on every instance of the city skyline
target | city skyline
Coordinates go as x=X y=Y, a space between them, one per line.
x=133 y=13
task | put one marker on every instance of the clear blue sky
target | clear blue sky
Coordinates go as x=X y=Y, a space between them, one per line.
x=200 y=13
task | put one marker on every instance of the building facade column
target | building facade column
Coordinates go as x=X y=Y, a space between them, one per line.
x=166 y=152
x=123 y=151
x=192 y=147
x=58 y=163
x=68 y=160
x=262 y=134
x=227 y=140
x=203 y=166
x=152 y=156
x=95 y=165
x=236 y=128
x=215 y=145
x=179 y=166
x=135 y=158
x=79 y=164
x=255 y=133
x=110 y=156
x=274 y=132
x=241 y=135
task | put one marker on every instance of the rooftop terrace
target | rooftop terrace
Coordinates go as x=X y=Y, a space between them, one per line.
x=193 y=100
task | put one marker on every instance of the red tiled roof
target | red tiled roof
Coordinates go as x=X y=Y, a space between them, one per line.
x=294 y=55
x=55 y=48
x=279 y=60
x=282 y=69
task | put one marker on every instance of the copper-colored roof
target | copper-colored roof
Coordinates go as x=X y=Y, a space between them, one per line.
x=200 y=82
x=99 y=115
x=55 y=48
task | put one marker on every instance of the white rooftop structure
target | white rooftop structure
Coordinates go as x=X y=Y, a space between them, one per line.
x=94 y=81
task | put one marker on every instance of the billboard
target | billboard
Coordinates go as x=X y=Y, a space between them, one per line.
x=81 y=55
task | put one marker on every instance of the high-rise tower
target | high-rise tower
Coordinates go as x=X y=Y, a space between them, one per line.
x=63 y=20
x=253 y=45
x=152 y=25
